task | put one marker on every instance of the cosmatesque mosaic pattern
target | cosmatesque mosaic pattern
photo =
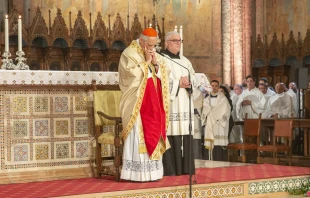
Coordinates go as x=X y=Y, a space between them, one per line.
x=211 y=191
x=42 y=128
x=276 y=185
x=45 y=128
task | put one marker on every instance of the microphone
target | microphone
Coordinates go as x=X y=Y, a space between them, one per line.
x=190 y=90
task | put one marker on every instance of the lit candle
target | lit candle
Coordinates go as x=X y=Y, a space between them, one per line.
x=20 y=34
x=6 y=33
x=176 y=28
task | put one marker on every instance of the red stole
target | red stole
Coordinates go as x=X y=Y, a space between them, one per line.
x=153 y=115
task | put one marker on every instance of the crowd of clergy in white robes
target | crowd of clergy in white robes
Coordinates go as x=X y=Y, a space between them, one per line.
x=214 y=109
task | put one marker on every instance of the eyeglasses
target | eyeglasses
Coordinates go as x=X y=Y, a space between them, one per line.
x=176 y=41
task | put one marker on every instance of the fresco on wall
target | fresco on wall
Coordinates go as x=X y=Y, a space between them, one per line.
x=286 y=15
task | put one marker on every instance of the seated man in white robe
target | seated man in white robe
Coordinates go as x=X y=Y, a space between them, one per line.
x=280 y=105
x=215 y=116
x=251 y=101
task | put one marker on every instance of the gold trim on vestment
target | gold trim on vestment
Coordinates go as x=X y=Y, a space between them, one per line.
x=165 y=92
x=159 y=150
x=154 y=78
x=211 y=141
x=136 y=109
x=142 y=145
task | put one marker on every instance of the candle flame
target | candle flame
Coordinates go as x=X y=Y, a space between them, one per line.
x=6 y=16
x=20 y=17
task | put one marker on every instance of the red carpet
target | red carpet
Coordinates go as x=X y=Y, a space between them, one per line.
x=93 y=185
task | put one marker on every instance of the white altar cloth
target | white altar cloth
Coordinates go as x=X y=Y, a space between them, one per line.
x=47 y=77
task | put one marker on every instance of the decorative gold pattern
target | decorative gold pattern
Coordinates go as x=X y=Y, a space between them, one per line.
x=142 y=146
x=165 y=92
x=20 y=104
x=211 y=141
x=41 y=152
x=159 y=150
x=137 y=107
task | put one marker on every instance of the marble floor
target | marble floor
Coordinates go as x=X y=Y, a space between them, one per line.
x=215 y=164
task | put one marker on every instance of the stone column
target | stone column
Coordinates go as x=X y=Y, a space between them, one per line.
x=259 y=18
x=226 y=4
x=247 y=33
x=216 y=26
x=236 y=34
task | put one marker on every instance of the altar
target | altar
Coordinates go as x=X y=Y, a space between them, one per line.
x=46 y=123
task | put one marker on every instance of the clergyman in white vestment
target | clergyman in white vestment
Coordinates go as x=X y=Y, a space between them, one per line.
x=176 y=160
x=280 y=104
x=215 y=116
x=251 y=101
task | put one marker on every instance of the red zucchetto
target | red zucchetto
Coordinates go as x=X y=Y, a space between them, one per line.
x=150 y=32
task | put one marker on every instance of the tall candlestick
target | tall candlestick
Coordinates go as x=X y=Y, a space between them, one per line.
x=6 y=33
x=20 y=34
x=128 y=8
x=181 y=36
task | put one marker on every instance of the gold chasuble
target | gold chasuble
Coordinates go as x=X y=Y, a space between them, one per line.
x=145 y=96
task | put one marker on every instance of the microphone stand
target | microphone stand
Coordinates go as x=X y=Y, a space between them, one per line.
x=190 y=91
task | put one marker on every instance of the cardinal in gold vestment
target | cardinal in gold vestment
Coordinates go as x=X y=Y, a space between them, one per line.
x=144 y=106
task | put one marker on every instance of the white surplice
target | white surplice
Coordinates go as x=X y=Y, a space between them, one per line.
x=257 y=103
x=215 y=116
x=179 y=97
x=280 y=104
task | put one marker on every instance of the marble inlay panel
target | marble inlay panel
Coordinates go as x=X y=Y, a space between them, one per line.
x=42 y=151
x=82 y=149
x=61 y=104
x=19 y=129
x=41 y=105
x=41 y=128
x=280 y=185
x=62 y=127
x=81 y=126
x=62 y=150
x=21 y=152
